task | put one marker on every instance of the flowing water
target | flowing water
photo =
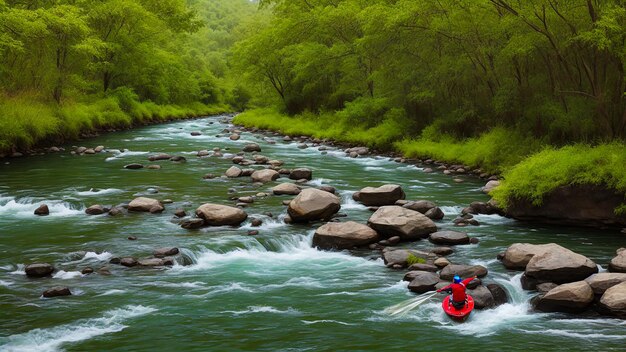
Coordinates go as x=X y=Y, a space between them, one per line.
x=270 y=292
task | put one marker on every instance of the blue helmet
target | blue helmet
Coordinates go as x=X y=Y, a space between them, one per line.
x=456 y=279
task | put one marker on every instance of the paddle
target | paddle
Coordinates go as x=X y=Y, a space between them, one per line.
x=404 y=307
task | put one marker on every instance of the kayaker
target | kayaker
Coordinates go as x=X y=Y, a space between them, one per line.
x=457 y=288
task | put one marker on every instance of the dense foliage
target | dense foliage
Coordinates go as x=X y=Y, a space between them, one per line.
x=547 y=68
x=72 y=65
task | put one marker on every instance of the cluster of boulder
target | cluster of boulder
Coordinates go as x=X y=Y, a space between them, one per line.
x=429 y=271
x=567 y=281
x=87 y=151
x=167 y=256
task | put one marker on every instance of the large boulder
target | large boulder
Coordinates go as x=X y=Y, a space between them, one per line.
x=286 y=188
x=313 y=204
x=143 y=204
x=571 y=297
x=39 y=270
x=464 y=271
x=301 y=173
x=560 y=265
x=482 y=297
x=405 y=257
x=449 y=237
x=265 y=176
x=410 y=225
x=423 y=281
x=518 y=255
x=613 y=301
x=580 y=205
x=344 y=235
x=383 y=195
x=618 y=264
x=221 y=215
x=603 y=281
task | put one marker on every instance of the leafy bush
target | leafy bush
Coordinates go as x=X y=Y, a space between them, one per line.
x=413 y=259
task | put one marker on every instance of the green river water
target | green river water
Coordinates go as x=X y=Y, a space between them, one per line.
x=270 y=292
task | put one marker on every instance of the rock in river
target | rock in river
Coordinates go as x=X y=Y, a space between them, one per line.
x=313 y=204
x=286 y=188
x=39 y=270
x=603 y=281
x=394 y=256
x=221 y=215
x=143 y=204
x=464 y=271
x=618 y=264
x=571 y=297
x=377 y=196
x=233 y=172
x=57 y=291
x=265 y=176
x=165 y=252
x=613 y=301
x=42 y=210
x=449 y=237
x=560 y=265
x=397 y=221
x=423 y=281
x=344 y=235
x=301 y=173
x=518 y=255
x=95 y=209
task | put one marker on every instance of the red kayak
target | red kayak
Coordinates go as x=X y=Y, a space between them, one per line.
x=458 y=314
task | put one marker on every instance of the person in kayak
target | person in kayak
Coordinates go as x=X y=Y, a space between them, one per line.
x=457 y=288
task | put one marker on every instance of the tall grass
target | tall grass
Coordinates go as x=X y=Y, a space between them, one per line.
x=26 y=122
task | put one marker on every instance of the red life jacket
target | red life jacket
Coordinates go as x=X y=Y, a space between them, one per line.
x=458 y=290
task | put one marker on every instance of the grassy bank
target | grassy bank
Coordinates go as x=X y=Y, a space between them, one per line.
x=529 y=167
x=26 y=122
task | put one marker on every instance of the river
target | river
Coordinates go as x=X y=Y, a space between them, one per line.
x=271 y=292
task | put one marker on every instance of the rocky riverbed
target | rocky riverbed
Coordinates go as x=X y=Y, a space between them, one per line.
x=206 y=214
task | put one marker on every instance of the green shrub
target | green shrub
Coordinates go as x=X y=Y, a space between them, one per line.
x=413 y=259
x=551 y=168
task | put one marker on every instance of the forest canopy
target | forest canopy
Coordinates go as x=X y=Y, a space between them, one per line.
x=549 y=69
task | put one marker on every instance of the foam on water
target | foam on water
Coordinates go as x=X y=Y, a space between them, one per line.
x=348 y=203
x=5 y=283
x=98 y=192
x=112 y=292
x=125 y=153
x=66 y=275
x=451 y=210
x=25 y=207
x=294 y=251
x=20 y=270
x=52 y=339
x=92 y=256
x=265 y=309
x=268 y=223
x=326 y=321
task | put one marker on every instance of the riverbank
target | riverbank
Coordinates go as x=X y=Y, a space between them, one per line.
x=531 y=170
x=27 y=124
